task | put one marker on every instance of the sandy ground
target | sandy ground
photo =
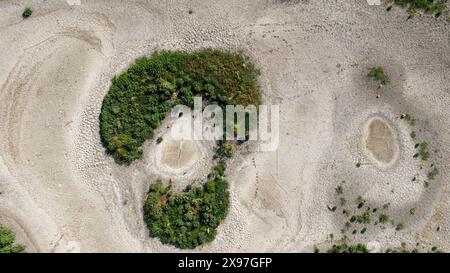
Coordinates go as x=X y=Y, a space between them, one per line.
x=60 y=192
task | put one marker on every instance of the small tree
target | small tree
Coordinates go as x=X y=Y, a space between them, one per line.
x=27 y=12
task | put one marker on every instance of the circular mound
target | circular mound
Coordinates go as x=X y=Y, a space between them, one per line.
x=177 y=157
x=179 y=154
x=380 y=141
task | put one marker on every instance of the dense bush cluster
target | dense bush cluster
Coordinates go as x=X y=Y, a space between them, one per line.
x=190 y=218
x=7 y=244
x=140 y=98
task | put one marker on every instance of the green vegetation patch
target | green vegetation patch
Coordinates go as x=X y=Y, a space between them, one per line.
x=7 y=244
x=377 y=74
x=139 y=99
x=190 y=218
x=344 y=248
x=423 y=153
x=137 y=102
x=433 y=173
x=428 y=6
x=27 y=12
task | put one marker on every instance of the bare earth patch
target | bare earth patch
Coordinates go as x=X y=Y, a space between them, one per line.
x=381 y=141
x=67 y=194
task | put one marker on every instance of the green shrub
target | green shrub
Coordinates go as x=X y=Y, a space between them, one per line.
x=360 y=202
x=7 y=244
x=377 y=74
x=27 y=12
x=140 y=98
x=432 y=7
x=363 y=218
x=399 y=227
x=423 y=151
x=383 y=218
x=190 y=218
x=224 y=150
x=339 y=189
x=344 y=248
x=410 y=119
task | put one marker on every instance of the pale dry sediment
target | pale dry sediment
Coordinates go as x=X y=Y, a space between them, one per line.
x=67 y=194
x=380 y=142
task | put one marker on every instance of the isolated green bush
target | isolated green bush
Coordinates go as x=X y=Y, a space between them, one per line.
x=7 y=244
x=27 y=12
x=190 y=218
x=377 y=74
x=140 y=98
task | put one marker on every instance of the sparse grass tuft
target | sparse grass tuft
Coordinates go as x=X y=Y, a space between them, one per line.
x=383 y=218
x=432 y=174
x=364 y=218
x=399 y=227
x=377 y=74
x=423 y=151
x=7 y=239
x=410 y=119
x=436 y=7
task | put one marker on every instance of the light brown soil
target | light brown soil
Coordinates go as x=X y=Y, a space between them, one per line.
x=67 y=194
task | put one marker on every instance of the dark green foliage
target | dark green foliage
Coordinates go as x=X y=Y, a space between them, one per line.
x=383 y=218
x=432 y=7
x=339 y=189
x=423 y=151
x=140 y=98
x=190 y=218
x=224 y=150
x=399 y=227
x=413 y=135
x=7 y=239
x=377 y=74
x=344 y=248
x=27 y=12
x=360 y=202
x=363 y=218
